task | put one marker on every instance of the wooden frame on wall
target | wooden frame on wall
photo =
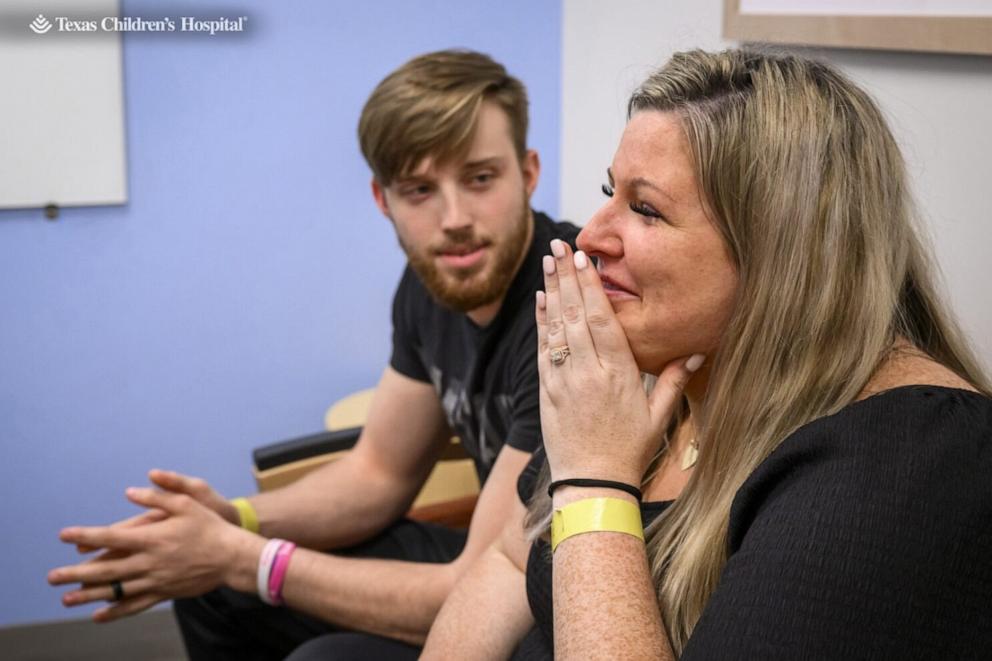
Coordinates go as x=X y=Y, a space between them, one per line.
x=905 y=31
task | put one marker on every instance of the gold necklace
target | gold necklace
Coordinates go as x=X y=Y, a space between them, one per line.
x=690 y=455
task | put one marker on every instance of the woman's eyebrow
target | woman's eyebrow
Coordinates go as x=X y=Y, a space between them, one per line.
x=641 y=182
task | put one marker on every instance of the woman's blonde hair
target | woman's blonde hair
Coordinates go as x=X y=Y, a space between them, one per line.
x=808 y=188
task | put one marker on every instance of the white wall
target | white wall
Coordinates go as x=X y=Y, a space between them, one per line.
x=938 y=106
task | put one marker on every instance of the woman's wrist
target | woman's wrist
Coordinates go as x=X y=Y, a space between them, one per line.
x=593 y=515
x=627 y=474
x=568 y=494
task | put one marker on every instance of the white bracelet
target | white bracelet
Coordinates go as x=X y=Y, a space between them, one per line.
x=265 y=569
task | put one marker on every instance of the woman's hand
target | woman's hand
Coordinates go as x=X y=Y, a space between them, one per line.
x=596 y=418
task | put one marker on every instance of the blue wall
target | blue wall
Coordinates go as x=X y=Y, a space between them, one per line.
x=247 y=282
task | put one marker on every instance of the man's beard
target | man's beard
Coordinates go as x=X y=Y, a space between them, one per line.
x=471 y=290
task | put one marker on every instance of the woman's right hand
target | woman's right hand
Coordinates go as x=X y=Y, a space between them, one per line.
x=596 y=418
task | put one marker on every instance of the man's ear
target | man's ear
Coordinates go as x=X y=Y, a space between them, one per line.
x=379 y=195
x=530 y=165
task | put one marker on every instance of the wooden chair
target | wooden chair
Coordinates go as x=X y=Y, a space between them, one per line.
x=447 y=497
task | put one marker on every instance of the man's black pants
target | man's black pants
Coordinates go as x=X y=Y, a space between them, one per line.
x=225 y=624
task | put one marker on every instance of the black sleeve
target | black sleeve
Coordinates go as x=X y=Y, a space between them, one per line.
x=405 y=359
x=528 y=476
x=524 y=432
x=853 y=545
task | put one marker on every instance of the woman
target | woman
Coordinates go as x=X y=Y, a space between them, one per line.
x=814 y=458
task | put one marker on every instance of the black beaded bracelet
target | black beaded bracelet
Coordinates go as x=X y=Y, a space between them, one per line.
x=583 y=482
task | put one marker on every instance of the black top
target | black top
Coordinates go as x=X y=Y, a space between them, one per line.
x=865 y=535
x=485 y=377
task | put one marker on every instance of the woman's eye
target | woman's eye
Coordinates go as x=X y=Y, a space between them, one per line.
x=607 y=190
x=644 y=210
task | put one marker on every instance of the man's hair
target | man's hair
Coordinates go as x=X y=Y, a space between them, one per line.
x=807 y=186
x=430 y=107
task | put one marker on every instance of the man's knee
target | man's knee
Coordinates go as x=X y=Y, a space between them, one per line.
x=219 y=603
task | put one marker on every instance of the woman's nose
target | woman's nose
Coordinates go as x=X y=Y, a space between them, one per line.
x=599 y=237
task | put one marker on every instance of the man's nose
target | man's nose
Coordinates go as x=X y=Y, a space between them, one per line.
x=455 y=214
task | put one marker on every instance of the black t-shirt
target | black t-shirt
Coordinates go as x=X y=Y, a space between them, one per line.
x=485 y=377
x=865 y=535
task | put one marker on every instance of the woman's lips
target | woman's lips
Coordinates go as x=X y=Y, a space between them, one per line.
x=614 y=290
x=462 y=260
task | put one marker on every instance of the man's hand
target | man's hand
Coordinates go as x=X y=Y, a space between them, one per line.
x=190 y=551
x=195 y=487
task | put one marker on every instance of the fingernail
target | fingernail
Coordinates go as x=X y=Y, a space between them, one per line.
x=131 y=491
x=695 y=362
x=549 y=264
x=542 y=301
x=580 y=260
x=558 y=248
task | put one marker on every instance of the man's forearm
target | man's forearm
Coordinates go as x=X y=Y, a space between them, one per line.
x=494 y=585
x=337 y=505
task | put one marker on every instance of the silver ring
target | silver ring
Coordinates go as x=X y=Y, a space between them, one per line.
x=559 y=354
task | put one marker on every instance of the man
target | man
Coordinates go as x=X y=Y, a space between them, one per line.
x=445 y=137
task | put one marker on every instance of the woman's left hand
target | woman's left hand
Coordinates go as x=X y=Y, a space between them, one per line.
x=596 y=418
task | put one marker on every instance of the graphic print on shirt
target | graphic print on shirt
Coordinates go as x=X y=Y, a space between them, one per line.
x=484 y=439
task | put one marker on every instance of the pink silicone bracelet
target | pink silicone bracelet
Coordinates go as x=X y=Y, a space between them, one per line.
x=265 y=569
x=279 y=566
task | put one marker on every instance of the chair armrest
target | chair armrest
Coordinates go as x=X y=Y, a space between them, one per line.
x=448 y=497
x=304 y=447
x=455 y=513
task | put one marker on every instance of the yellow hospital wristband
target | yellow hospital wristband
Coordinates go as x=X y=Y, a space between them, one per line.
x=247 y=514
x=596 y=515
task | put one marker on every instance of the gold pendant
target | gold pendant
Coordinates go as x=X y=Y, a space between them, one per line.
x=690 y=455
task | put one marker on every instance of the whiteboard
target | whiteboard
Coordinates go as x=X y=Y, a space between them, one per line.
x=62 y=115
x=872 y=8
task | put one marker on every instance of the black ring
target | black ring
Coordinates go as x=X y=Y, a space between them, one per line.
x=118 y=590
x=583 y=482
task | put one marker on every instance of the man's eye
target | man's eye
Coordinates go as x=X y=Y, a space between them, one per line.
x=414 y=191
x=607 y=190
x=482 y=178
